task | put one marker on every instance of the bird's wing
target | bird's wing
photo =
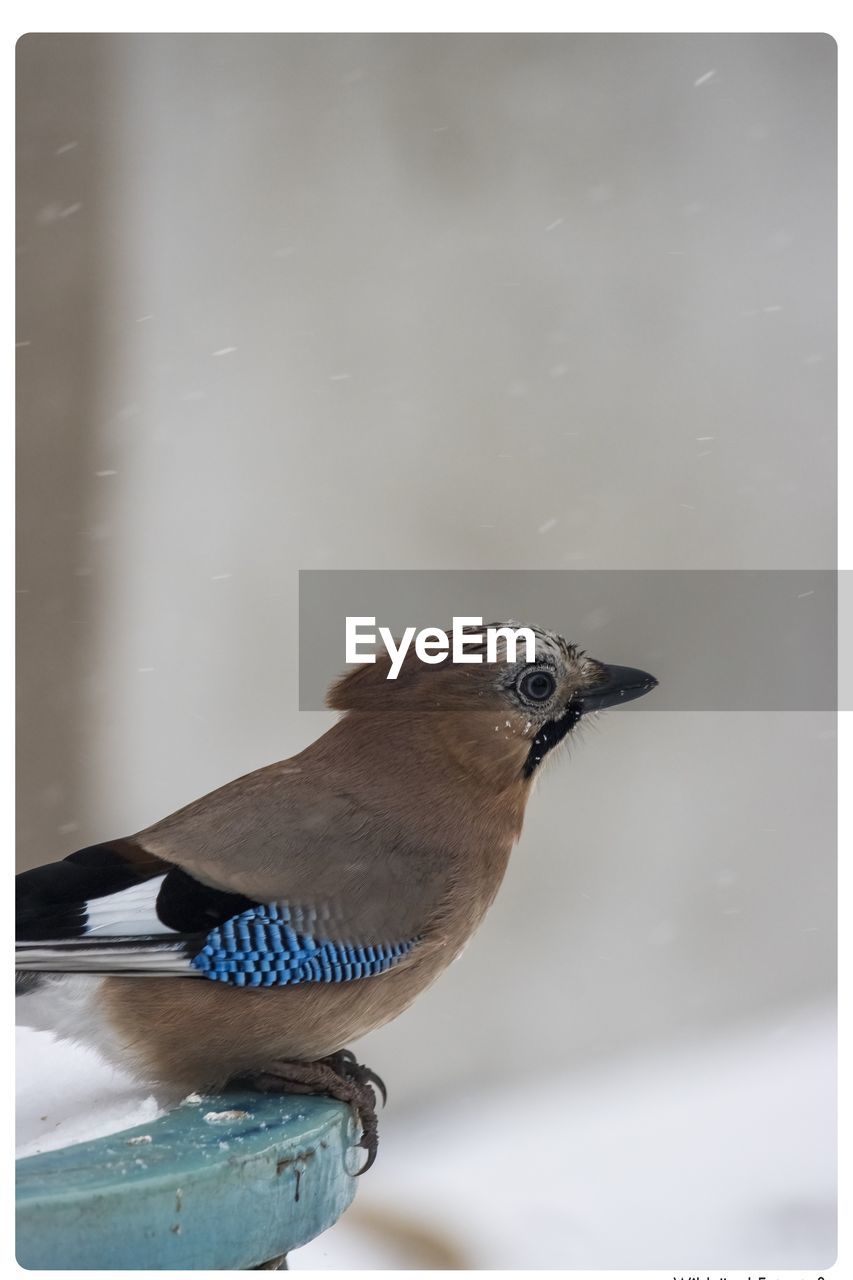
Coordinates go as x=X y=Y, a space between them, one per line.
x=258 y=884
x=302 y=836
x=114 y=908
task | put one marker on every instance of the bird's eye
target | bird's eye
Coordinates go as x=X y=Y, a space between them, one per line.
x=537 y=686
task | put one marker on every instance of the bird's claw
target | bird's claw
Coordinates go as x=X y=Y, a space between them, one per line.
x=338 y=1076
x=345 y=1063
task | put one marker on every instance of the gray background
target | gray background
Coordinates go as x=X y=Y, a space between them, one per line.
x=490 y=302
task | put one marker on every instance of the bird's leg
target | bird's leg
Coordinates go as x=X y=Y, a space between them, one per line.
x=338 y=1076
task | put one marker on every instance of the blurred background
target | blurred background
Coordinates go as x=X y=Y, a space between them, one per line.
x=495 y=302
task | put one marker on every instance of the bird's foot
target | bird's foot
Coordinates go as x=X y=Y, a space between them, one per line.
x=338 y=1076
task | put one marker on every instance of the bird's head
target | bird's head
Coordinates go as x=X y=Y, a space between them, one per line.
x=507 y=711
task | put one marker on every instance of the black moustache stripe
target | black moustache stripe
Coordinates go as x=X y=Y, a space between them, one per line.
x=549 y=736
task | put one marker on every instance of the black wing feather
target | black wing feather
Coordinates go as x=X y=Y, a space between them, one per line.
x=72 y=917
x=50 y=901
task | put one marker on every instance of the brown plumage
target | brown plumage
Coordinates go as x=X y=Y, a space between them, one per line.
x=398 y=823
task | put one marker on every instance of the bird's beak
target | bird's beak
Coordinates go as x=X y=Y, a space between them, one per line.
x=619 y=684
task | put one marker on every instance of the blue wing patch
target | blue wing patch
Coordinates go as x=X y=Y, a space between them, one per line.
x=261 y=948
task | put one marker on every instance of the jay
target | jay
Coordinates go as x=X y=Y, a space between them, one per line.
x=254 y=933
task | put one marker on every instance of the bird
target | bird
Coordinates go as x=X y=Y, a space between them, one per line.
x=250 y=936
